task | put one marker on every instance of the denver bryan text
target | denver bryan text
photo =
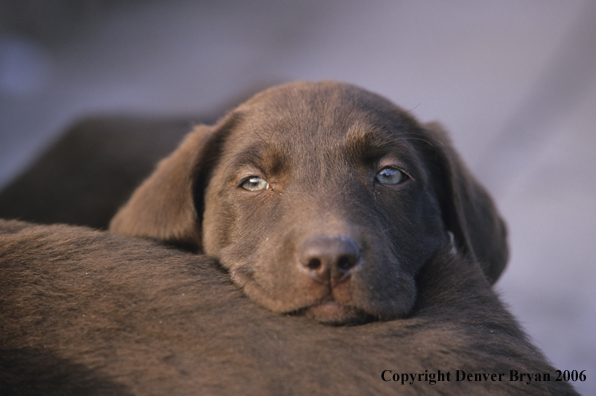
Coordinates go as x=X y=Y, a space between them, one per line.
x=460 y=375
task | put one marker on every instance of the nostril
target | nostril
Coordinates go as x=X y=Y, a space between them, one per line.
x=314 y=264
x=344 y=263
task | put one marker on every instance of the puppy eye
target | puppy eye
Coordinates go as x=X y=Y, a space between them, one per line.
x=390 y=176
x=254 y=183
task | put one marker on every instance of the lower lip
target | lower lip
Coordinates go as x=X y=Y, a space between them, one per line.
x=330 y=310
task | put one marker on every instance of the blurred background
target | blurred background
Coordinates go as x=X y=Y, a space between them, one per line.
x=514 y=82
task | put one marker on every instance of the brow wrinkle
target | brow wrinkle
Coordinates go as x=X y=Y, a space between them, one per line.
x=265 y=157
x=367 y=142
x=251 y=156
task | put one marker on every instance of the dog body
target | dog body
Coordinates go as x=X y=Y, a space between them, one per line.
x=88 y=312
x=319 y=198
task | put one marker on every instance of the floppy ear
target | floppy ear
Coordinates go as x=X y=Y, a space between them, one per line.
x=165 y=206
x=468 y=211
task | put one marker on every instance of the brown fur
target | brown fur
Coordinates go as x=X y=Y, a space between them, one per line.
x=326 y=238
x=87 y=312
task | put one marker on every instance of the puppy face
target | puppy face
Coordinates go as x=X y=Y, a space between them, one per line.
x=319 y=198
x=320 y=203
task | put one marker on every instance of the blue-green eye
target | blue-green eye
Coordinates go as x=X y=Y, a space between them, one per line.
x=254 y=183
x=390 y=176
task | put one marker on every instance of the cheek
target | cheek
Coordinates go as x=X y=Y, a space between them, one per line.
x=236 y=225
x=431 y=221
x=416 y=228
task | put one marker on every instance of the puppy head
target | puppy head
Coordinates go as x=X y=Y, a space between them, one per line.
x=319 y=198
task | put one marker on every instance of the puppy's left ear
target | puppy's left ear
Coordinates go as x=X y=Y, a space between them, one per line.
x=468 y=210
x=164 y=207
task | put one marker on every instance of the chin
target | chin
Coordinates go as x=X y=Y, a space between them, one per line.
x=334 y=313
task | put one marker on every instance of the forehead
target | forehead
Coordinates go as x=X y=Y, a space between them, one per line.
x=312 y=121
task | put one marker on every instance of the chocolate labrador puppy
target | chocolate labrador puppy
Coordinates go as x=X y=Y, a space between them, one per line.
x=320 y=199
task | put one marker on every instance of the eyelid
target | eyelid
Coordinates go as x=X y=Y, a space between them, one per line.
x=245 y=173
x=259 y=181
x=393 y=165
x=242 y=180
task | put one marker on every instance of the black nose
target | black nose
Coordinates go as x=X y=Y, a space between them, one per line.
x=329 y=259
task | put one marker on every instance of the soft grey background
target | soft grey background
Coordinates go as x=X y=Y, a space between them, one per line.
x=513 y=81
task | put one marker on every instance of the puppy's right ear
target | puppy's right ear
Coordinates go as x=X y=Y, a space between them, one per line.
x=164 y=206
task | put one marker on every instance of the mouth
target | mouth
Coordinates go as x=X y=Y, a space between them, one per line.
x=334 y=313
